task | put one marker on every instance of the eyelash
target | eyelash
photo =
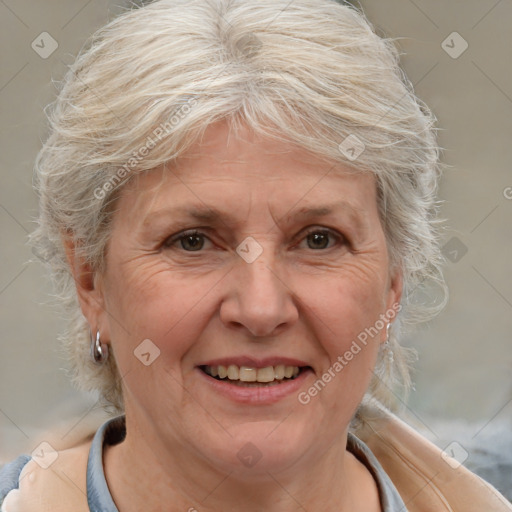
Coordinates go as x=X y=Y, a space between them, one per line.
x=172 y=240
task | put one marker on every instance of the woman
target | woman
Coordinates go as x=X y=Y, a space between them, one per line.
x=237 y=203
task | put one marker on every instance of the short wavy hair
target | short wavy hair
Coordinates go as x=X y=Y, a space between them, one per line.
x=313 y=72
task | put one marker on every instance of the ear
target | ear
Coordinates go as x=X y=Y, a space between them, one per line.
x=89 y=289
x=394 y=296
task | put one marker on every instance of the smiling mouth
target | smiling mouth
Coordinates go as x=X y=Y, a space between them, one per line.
x=249 y=376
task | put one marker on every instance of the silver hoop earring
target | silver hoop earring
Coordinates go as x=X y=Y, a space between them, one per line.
x=388 y=351
x=99 y=351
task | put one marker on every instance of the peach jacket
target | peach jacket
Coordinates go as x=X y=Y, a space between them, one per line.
x=426 y=481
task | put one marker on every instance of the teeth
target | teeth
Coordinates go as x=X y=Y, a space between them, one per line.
x=266 y=374
x=248 y=374
x=279 y=371
x=233 y=372
x=222 y=371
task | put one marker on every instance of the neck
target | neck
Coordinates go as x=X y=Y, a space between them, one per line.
x=145 y=472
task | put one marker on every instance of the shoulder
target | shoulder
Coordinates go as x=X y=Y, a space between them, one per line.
x=49 y=481
x=427 y=479
x=10 y=475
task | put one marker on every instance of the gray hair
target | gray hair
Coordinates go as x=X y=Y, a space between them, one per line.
x=313 y=72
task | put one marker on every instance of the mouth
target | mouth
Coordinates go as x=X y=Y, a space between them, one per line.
x=248 y=376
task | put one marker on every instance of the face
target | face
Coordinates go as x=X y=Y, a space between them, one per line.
x=250 y=254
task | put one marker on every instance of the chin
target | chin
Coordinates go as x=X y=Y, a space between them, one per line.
x=258 y=448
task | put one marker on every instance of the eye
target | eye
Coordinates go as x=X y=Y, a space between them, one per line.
x=190 y=241
x=194 y=240
x=320 y=238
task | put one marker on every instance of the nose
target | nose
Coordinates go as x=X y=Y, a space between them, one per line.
x=260 y=300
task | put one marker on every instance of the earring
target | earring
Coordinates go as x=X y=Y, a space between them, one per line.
x=99 y=351
x=388 y=351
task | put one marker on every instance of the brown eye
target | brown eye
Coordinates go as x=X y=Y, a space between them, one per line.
x=318 y=240
x=322 y=239
x=191 y=241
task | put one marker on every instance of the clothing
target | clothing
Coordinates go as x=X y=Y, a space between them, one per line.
x=423 y=478
x=113 y=432
x=426 y=478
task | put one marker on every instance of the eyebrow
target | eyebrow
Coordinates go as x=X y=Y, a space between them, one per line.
x=322 y=211
x=354 y=213
x=200 y=213
x=204 y=213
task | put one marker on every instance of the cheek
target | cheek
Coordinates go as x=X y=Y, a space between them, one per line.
x=348 y=306
x=345 y=316
x=152 y=302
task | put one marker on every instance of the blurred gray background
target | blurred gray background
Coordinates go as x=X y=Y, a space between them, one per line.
x=457 y=54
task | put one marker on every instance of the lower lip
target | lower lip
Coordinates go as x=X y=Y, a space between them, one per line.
x=261 y=395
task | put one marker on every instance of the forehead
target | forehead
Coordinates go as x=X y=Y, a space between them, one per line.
x=223 y=154
x=243 y=170
x=222 y=147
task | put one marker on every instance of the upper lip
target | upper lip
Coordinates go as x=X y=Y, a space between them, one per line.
x=253 y=362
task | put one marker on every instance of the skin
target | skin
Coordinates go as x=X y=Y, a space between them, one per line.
x=300 y=298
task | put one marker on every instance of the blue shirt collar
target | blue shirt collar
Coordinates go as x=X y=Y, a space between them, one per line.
x=113 y=431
